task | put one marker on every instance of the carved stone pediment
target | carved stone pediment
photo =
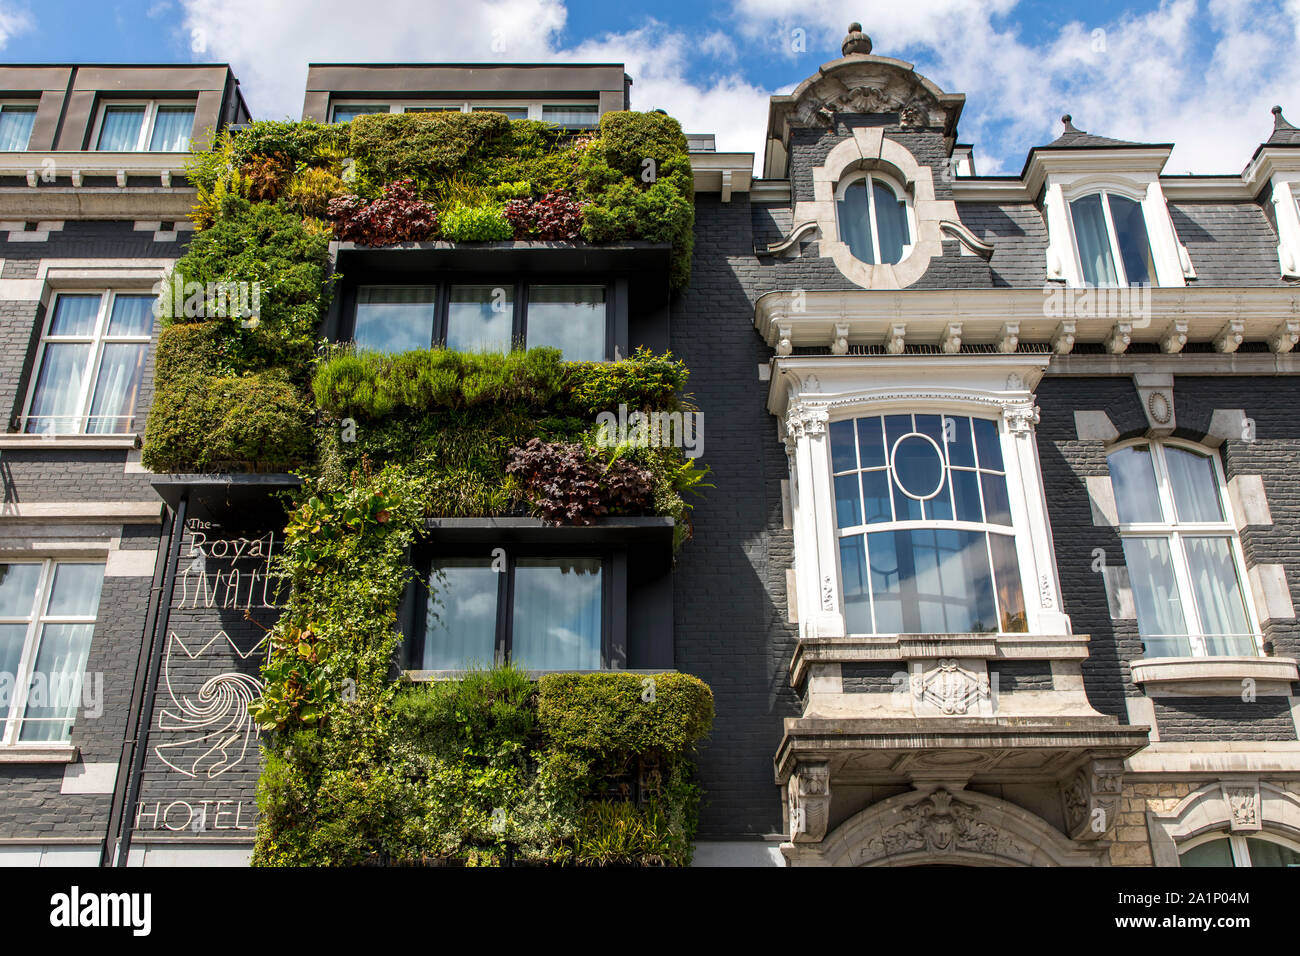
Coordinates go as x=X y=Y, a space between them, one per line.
x=869 y=86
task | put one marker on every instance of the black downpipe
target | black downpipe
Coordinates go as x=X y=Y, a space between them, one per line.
x=125 y=825
x=132 y=728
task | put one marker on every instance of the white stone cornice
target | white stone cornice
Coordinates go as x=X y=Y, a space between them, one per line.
x=1175 y=337
x=1054 y=315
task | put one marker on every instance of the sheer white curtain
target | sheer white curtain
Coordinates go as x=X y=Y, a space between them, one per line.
x=461 y=614
x=54 y=691
x=120 y=130
x=16 y=127
x=557 y=614
x=172 y=127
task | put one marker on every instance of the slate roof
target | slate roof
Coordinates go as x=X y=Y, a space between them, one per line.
x=1284 y=134
x=1073 y=138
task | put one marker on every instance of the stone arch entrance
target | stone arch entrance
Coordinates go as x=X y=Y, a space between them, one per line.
x=940 y=826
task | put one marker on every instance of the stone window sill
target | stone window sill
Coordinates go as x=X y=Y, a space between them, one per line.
x=45 y=753
x=418 y=676
x=20 y=440
x=1214 y=676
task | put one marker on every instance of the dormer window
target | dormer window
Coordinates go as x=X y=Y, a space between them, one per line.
x=16 y=121
x=1111 y=238
x=145 y=126
x=875 y=220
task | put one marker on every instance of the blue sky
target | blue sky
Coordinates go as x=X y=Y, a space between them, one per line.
x=1200 y=73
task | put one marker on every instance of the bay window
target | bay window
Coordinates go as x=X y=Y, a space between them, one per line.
x=874 y=220
x=1181 y=548
x=539 y=611
x=145 y=126
x=16 y=121
x=923 y=521
x=1224 y=849
x=90 y=364
x=1110 y=235
x=47 y=620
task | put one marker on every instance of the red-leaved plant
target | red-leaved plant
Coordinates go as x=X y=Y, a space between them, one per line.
x=397 y=217
x=556 y=217
x=569 y=485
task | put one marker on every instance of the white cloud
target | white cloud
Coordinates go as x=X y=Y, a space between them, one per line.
x=1203 y=78
x=12 y=22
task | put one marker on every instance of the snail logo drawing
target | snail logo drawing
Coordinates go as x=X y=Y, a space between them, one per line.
x=216 y=725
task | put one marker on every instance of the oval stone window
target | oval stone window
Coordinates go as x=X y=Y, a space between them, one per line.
x=918 y=466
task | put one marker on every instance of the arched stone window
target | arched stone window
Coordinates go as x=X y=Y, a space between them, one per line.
x=875 y=219
x=1234 y=849
x=1110 y=238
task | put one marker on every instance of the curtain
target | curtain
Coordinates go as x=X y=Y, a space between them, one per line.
x=570 y=318
x=1218 y=597
x=394 y=318
x=132 y=315
x=346 y=114
x=120 y=131
x=1133 y=478
x=480 y=318
x=582 y=117
x=1196 y=490
x=55 y=688
x=121 y=369
x=1094 y=244
x=461 y=614
x=55 y=403
x=1131 y=234
x=891 y=222
x=172 y=127
x=16 y=127
x=557 y=614
x=1155 y=594
x=855 y=222
x=75 y=315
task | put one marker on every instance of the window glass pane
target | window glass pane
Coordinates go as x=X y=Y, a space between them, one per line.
x=120 y=130
x=75 y=591
x=1131 y=233
x=939 y=508
x=1196 y=490
x=131 y=315
x=1268 y=853
x=966 y=495
x=172 y=127
x=430 y=109
x=121 y=369
x=12 y=639
x=1094 y=244
x=1011 y=596
x=1133 y=478
x=1212 y=853
x=570 y=318
x=931 y=425
x=18 y=584
x=16 y=127
x=886 y=581
x=906 y=508
x=918 y=466
x=855 y=221
x=857 y=602
x=956 y=431
x=346 y=114
x=1155 y=594
x=896 y=426
x=987 y=444
x=571 y=116
x=950 y=578
x=480 y=318
x=58 y=389
x=511 y=112
x=557 y=614
x=848 y=509
x=997 y=506
x=870 y=446
x=55 y=687
x=891 y=222
x=461 y=614
x=1218 y=596
x=843 y=455
x=75 y=315
x=875 y=496
x=394 y=318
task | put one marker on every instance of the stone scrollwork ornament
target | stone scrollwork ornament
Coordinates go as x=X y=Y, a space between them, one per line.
x=809 y=794
x=1091 y=799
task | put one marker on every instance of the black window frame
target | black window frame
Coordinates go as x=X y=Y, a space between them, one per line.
x=612 y=573
x=519 y=283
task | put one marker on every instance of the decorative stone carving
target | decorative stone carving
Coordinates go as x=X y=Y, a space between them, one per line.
x=809 y=795
x=1175 y=337
x=866 y=87
x=950 y=688
x=894 y=342
x=1120 y=336
x=1285 y=336
x=840 y=342
x=942 y=823
x=1230 y=339
x=1092 y=798
x=952 y=338
x=1242 y=800
x=1021 y=418
x=856 y=42
x=1063 y=338
x=803 y=420
x=1009 y=337
x=784 y=345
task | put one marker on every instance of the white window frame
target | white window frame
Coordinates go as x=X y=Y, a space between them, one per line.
x=36 y=622
x=1014 y=530
x=31 y=105
x=146 y=126
x=1117 y=256
x=1174 y=531
x=1237 y=842
x=98 y=338
x=534 y=107
x=900 y=191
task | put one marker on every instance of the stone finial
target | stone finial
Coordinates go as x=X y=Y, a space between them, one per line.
x=856 y=41
x=1068 y=120
x=1279 y=121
